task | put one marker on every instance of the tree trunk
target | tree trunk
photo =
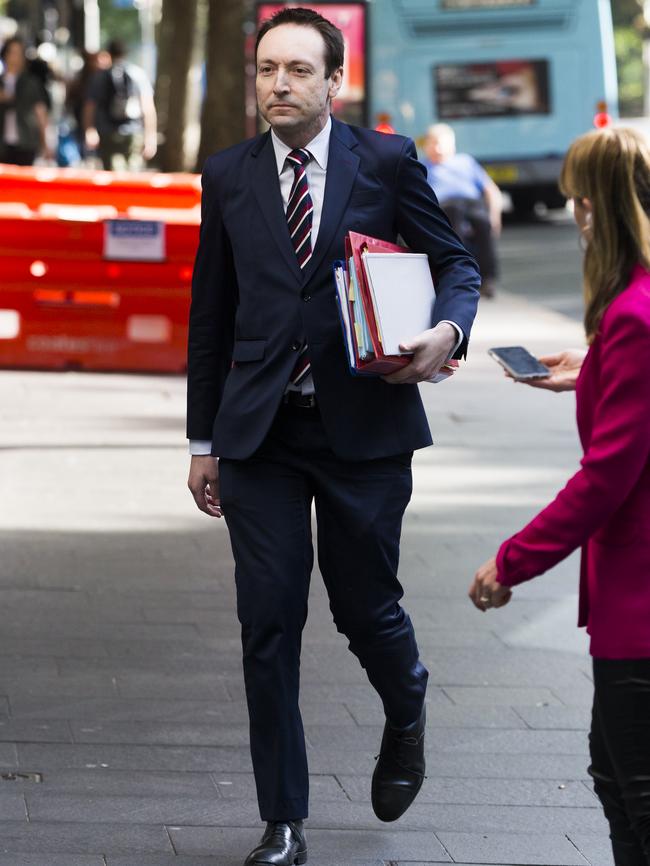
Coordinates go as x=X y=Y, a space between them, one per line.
x=223 y=111
x=175 y=42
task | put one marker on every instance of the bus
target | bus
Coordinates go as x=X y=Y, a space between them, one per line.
x=517 y=80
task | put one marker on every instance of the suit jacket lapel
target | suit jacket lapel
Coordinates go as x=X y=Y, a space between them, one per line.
x=342 y=167
x=266 y=185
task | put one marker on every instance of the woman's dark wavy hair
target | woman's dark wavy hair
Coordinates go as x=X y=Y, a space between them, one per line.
x=332 y=36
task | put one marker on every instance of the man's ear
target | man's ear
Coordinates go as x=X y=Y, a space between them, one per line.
x=336 y=82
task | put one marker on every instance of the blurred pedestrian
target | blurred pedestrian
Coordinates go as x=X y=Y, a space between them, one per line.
x=39 y=56
x=469 y=197
x=119 y=115
x=23 y=108
x=78 y=91
x=605 y=507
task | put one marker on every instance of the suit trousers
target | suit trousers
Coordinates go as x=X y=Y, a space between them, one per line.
x=267 y=501
x=620 y=754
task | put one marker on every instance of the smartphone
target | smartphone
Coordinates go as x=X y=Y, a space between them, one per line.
x=519 y=362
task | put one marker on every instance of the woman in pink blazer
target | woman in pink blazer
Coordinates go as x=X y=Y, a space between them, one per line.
x=605 y=507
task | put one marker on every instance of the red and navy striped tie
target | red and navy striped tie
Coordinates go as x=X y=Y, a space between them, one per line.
x=300 y=208
x=300 y=212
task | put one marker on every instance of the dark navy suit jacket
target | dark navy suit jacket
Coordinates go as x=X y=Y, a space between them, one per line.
x=252 y=307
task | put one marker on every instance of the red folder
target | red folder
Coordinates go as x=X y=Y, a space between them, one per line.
x=355 y=245
x=378 y=363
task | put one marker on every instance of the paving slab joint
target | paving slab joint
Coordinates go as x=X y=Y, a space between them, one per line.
x=569 y=839
x=171 y=841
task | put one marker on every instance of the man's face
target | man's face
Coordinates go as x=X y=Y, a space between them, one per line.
x=438 y=148
x=432 y=148
x=292 y=90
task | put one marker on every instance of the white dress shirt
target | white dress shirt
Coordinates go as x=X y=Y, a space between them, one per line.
x=316 y=171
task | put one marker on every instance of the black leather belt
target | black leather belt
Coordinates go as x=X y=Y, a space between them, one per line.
x=299 y=400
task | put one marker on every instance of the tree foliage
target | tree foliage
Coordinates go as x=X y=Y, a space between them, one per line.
x=119 y=23
x=625 y=11
x=628 y=33
x=630 y=71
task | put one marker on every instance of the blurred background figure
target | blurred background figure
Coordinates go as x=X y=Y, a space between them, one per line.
x=40 y=57
x=469 y=197
x=78 y=92
x=119 y=116
x=23 y=108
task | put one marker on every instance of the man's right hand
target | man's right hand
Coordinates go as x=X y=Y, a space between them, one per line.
x=204 y=484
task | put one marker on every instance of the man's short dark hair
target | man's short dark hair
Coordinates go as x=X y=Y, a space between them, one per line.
x=332 y=36
x=117 y=49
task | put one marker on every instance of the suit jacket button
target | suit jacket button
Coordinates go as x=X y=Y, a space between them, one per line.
x=305 y=296
x=295 y=347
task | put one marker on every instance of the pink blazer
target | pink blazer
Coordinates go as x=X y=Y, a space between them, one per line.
x=605 y=507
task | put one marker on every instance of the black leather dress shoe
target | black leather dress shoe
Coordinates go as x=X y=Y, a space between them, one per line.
x=400 y=769
x=283 y=844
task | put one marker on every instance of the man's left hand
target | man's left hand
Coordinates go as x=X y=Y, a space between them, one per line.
x=430 y=351
x=486 y=591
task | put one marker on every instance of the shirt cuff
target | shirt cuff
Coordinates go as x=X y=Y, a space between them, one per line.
x=460 y=339
x=200 y=447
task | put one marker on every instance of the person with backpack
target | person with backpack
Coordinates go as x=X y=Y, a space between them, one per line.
x=119 y=116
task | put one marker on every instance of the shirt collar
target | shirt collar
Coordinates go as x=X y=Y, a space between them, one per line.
x=319 y=147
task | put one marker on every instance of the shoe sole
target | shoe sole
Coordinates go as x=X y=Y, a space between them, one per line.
x=299 y=860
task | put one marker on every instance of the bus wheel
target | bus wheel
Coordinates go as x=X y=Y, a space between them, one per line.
x=523 y=204
x=554 y=199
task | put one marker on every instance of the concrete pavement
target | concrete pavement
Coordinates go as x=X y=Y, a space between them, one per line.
x=120 y=679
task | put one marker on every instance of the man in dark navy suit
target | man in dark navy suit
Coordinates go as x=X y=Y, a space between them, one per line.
x=276 y=421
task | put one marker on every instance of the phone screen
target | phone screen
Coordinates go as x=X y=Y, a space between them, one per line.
x=519 y=362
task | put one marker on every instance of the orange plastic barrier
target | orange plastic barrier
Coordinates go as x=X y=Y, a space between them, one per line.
x=32 y=186
x=95 y=276
x=54 y=236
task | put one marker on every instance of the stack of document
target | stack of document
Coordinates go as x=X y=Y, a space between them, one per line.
x=385 y=296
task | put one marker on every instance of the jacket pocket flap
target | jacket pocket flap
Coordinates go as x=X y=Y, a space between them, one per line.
x=248 y=350
x=367 y=196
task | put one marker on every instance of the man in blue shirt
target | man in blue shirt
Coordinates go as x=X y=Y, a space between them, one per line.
x=469 y=196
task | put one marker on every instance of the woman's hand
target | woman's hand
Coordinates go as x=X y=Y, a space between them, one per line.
x=486 y=591
x=565 y=369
